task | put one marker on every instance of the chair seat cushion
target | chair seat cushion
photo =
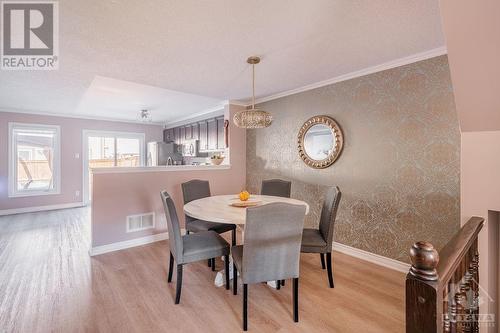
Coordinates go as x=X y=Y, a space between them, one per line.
x=312 y=241
x=200 y=225
x=203 y=245
x=237 y=254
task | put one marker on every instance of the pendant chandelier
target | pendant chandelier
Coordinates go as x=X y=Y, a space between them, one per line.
x=254 y=117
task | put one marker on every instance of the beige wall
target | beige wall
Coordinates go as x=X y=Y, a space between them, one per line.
x=399 y=171
x=480 y=187
x=472 y=31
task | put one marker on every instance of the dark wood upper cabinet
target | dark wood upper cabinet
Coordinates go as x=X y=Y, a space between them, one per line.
x=212 y=134
x=203 y=132
x=220 y=133
x=188 y=132
x=182 y=135
x=195 y=132
x=170 y=134
x=177 y=135
x=209 y=132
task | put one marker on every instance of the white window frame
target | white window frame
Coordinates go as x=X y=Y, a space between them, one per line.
x=13 y=192
x=122 y=135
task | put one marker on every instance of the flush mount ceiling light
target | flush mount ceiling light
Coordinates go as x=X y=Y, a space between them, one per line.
x=145 y=116
x=254 y=117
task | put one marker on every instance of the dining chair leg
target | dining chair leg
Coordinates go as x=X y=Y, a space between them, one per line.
x=296 y=300
x=329 y=266
x=278 y=284
x=226 y=269
x=209 y=262
x=233 y=237
x=322 y=260
x=170 y=267
x=245 y=307
x=213 y=264
x=283 y=283
x=235 y=280
x=179 y=284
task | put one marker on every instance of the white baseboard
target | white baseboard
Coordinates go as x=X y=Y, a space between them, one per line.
x=40 y=208
x=351 y=251
x=129 y=243
x=372 y=257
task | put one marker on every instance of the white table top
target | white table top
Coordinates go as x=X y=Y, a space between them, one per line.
x=217 y=208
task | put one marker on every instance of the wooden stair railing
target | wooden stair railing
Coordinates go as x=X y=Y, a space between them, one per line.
x=442 y=289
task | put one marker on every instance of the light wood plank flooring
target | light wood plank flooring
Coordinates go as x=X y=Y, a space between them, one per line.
x=48 y=283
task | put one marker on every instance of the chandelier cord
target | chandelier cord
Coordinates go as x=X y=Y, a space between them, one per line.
x=253 y=86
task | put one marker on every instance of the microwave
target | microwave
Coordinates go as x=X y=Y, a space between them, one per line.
x=191 y=148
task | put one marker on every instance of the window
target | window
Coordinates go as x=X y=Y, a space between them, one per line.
x=34 y=160
x=110 y=149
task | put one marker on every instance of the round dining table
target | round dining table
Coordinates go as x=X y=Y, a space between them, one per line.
x=218 y=208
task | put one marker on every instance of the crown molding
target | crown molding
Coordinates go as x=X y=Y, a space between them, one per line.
x=185 y=120
x=213 y=111
x=366 y=71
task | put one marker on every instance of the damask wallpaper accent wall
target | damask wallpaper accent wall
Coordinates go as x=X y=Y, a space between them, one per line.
x=399 y=172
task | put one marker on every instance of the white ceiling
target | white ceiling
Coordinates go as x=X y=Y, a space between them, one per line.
x=200 y=47
x=117 y=99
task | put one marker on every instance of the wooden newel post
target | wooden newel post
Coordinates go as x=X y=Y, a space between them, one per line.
x=423 y=315
x=424 y=260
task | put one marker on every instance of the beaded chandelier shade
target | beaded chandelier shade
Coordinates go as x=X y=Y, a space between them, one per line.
x=254 y=117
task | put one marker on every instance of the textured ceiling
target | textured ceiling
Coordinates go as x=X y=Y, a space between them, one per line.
x=200 y=47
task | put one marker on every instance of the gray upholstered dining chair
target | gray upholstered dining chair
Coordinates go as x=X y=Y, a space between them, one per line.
x=190 y=248
x=271 y=249
x=276 y=187
x=198 y=189
x=320 y=240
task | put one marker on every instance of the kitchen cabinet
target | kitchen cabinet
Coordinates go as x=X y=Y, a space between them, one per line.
x=203 y=133
x=177 y=135
x=220 y=133
x=212 y=134
x=188 y=132
x=182 y=135
x=209 y=132
x=195 y=133
x=170 y=134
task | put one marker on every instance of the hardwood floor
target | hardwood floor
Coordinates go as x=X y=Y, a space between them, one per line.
x=48 y=283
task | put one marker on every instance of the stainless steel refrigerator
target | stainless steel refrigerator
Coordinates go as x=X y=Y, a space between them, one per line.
x=164 y=153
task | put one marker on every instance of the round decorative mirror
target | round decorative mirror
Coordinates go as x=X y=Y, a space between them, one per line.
x=320 y=142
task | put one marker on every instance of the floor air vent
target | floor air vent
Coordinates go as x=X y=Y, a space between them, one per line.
x=140 y=222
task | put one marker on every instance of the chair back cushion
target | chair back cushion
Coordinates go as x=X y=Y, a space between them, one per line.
x=328 y=214
x=276 y=187
x=195 y=189
x=272 y=239
x=174 y=230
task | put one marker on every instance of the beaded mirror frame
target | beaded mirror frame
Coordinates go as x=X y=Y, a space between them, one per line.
x=338 y=144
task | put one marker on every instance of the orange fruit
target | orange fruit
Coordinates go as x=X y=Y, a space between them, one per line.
x=244 y=195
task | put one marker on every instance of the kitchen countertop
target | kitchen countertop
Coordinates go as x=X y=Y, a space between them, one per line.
x=166 y=168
